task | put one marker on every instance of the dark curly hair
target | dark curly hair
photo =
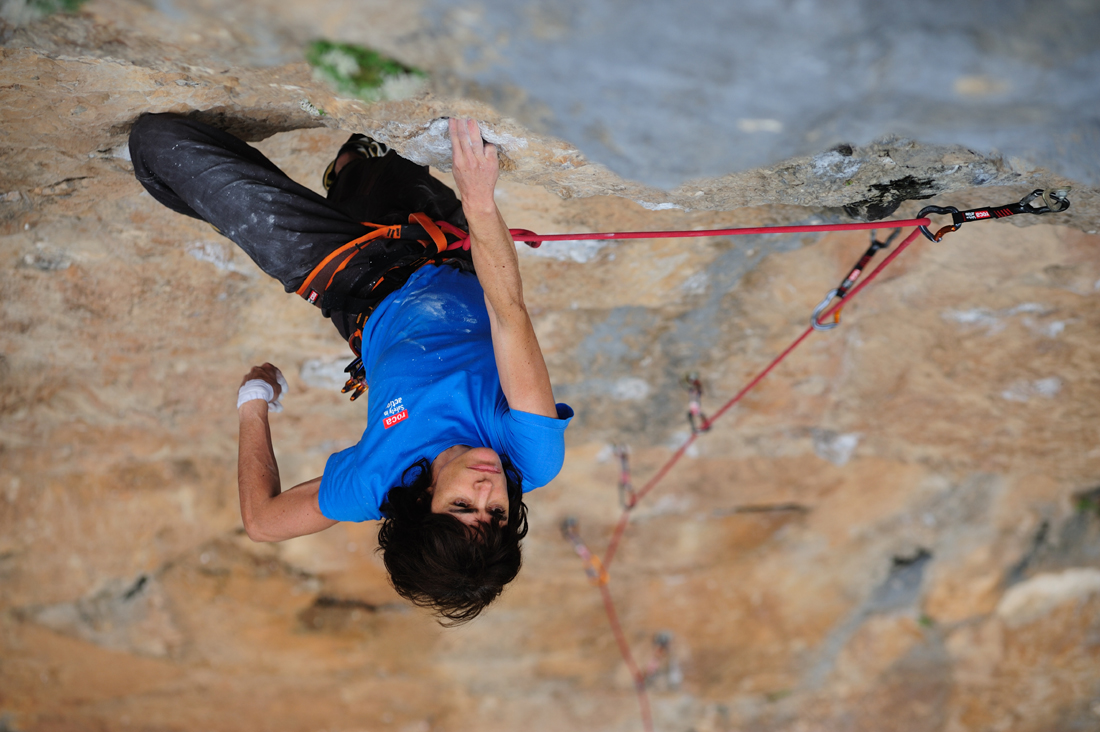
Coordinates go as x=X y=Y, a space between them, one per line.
x=436 y=561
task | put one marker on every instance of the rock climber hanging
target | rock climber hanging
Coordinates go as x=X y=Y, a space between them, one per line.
x=461 y=418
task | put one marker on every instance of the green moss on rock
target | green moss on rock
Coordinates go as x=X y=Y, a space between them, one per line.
x=362 y=72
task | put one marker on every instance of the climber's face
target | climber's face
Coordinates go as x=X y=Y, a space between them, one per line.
x=469 y=483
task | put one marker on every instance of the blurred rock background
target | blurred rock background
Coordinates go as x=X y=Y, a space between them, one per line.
x=898 y=531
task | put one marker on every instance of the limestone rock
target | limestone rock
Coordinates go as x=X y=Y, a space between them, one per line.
x=896 y=530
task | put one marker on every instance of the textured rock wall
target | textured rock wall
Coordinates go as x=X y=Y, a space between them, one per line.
x=898 y=530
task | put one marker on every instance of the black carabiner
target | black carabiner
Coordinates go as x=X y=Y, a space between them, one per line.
x=943 y=211
x=1054 y=200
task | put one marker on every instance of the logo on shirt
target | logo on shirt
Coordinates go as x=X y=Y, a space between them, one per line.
x=395 y=412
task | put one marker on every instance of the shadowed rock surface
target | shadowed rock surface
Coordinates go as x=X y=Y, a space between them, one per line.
x=898 y=530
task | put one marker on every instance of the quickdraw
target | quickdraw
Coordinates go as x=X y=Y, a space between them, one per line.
x=841 y=291
x=663 y=663
x=593 y=567
x=1054 y=200
x=627 y=495
x=694 y=386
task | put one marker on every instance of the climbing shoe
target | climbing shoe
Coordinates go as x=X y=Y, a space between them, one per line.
x=360 y=145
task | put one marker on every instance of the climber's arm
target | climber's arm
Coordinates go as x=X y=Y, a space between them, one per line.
x=268 y=512
x=520 y=364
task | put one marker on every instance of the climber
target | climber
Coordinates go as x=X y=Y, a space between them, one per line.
x=461 y=418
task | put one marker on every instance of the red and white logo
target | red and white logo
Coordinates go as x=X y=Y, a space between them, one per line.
x=312 y=296
x=981 y=214
x=395 y=412
x=394 y=419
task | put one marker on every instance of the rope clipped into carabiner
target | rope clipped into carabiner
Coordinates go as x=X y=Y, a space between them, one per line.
x=841 y=291
x=1053 y=200
x=628 y=497
x=696 y=419
x=592 y=565
x=598 y=571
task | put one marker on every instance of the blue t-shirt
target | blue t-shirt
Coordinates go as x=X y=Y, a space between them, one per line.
x=433 y=384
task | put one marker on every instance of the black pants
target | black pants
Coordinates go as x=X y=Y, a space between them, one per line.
x=287 y=229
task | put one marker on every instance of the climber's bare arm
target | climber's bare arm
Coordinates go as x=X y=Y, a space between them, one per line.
x=523 y=375
x=268 y=512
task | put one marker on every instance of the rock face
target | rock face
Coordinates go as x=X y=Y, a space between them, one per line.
x=898 y=530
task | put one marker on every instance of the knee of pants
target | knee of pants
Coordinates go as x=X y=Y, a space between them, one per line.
x=153 y=132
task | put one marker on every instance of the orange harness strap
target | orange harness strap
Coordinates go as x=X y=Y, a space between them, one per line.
x=438 y=238
x=322 y=275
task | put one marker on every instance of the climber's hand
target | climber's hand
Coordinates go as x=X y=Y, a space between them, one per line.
x=475 y=168
x=268 y=373
x=263 y=383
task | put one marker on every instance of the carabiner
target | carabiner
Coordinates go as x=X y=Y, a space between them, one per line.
x=1057 y=197
x=821 y=307
x=694 y=385
x=943 y=211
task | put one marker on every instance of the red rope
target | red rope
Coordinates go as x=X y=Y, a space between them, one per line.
x=524 y=235
x=624 y=518
x=628 y=657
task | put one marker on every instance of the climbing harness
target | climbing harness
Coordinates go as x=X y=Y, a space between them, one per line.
x=1054 y=201
x=841 y=291
x=440 y=241
x=694 y=386
x=436 y=237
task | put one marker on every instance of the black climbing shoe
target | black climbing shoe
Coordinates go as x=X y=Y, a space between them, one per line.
x=359 y=144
